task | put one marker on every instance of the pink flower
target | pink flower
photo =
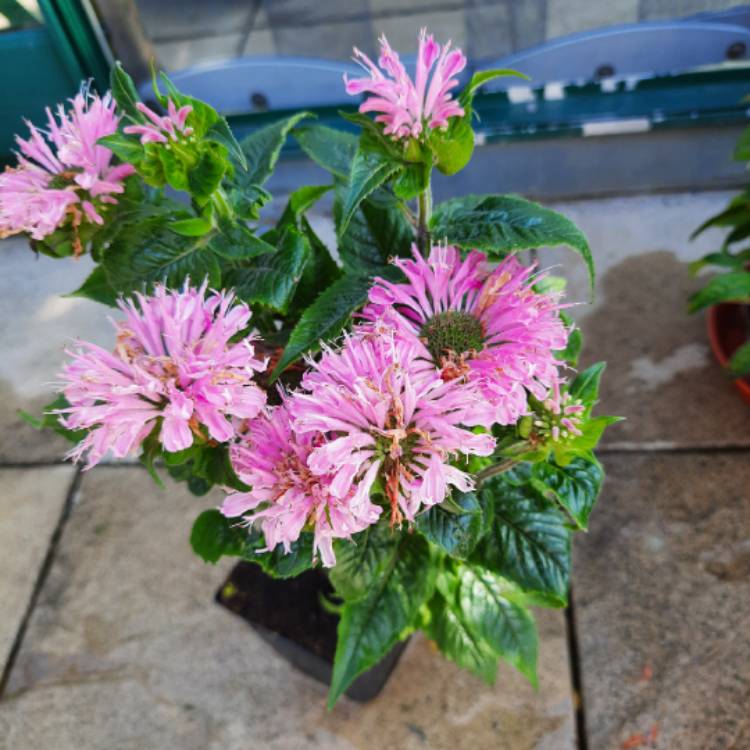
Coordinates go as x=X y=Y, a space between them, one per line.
x=407 y=107
x=386 y=414
x=484 y=327
x=63 y=171
x=174 y=367
x=162 y=129
x=286 y=496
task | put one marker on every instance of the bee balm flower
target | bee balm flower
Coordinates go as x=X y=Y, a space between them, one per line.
x=386 y=415
x=481 y=326
x=286 y=496
x=162 y=129
x=404 y=106
x=65 y=175
x=174 y=366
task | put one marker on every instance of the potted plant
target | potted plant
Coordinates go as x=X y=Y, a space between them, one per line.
x=397 y=424
x=727 y=295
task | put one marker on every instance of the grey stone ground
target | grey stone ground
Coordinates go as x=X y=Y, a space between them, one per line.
x=124 y=647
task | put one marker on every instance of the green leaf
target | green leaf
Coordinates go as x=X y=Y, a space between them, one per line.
x=575 y=487
x=585 y=386
x=152 y=252
x=195 y=227
x=236 y=242
x=214 y=536
x=485 y=76
x=736 y=262
x=272 y=278
x=220 y=132
x=529 y=541
x=330 y=148
x=592 y=430
x=369 y=171
x=370 y=626
x=735 y=213
x=388 y=226
x=124 y=92
x=262 y=148
x=455 y=533
x=325 y=318
x=412 y=180
x=503 y=624
x=205 y=177
x=453 y=151
x=123 y=147
x=51 y=420
x=306 y=197
x=362 y=560
x=458 y=642
x=739 y=365
x=728 y=287
x=97 y=288
x=503 y=224
x=572 y=351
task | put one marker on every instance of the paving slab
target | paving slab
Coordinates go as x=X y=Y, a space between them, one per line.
x=661 y=374
x=662 y=591
x=31 y=504
x=126 y=649
x=36 y=323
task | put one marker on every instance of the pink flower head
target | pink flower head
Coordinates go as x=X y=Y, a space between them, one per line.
x=286 y=497
x=171 y=127
x=407 y=107
x=484 y=327
x=387 y=415
x=63 y=168
x=174 y=362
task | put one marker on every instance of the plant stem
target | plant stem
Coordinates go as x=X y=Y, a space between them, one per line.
x=425 y=211
x=491 y=471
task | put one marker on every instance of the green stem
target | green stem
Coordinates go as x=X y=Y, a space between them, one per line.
x=425 y=211
x=495 y=469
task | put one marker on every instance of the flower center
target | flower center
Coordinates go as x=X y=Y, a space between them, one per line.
x=452 y=331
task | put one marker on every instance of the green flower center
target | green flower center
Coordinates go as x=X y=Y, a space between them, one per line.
x=452 y=331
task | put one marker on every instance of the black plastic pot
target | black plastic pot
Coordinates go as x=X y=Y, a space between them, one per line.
x=288 y=615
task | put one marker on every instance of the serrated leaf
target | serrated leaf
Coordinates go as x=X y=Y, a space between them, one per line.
x=262 y=148
x=585 y=385
x=205 y=177
x=728 y=287
x=412 y=180
x=370 y=626
x=456 y=640
x=124 y=92
x=503 y=624
x=220 y=132
x=528 y=542
x=575 y=487
x=330 y=148
x=97 y=288
x=739 y=364
x=455 y=533
x=362 y=560
x=582 y=445
x=236 y=242
x=325 y=318
x=369 y=171
x=504 y=224
x=272 y=278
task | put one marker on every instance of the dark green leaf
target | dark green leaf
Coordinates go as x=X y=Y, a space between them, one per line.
x=325 y=318
x=329 y=148
x=739 y=365
x=736 y=262
x=387 y=224
x=370 y=626
x=504 y=224
x=220 y=132
x=124 y=92
x=362 y=560
x=576 y=486
x=529 y=541
x=736 y=213
x=728 y=287
x=585 y=386
x=236 y=242
x=412 y=180
x=205 y=177
x=214 y=536
x=455 y=533
x=262 y=148
x=503 y=624
x=124 y=148
x=97 y=288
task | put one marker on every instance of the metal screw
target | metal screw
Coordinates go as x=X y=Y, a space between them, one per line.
x=604 y=71
x=736 y=50
x=259 y=101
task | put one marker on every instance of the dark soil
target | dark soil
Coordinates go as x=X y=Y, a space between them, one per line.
x=290 y=607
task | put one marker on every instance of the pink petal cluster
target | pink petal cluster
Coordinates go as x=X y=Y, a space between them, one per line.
x=286 y=496
x=384 y=413
x=407 y=107
x=174 y=362
x=63 y=170
x=171 y=127
x=519 y=328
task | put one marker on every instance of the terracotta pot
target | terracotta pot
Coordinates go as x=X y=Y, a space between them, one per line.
x=727 y=332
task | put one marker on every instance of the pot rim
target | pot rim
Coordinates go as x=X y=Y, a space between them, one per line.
x=714 y=338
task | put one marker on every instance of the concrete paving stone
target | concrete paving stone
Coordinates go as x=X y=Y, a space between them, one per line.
x=489 y=30
x=31 y=503
x=661 y=374
x=662 y=592
x=332 y=41
x=652 y=10
x=574 y=16
x=186 y=53
x=529 y=22
x=126 y=649
x=402 y=31
x=36 y=323
x=186 y=19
